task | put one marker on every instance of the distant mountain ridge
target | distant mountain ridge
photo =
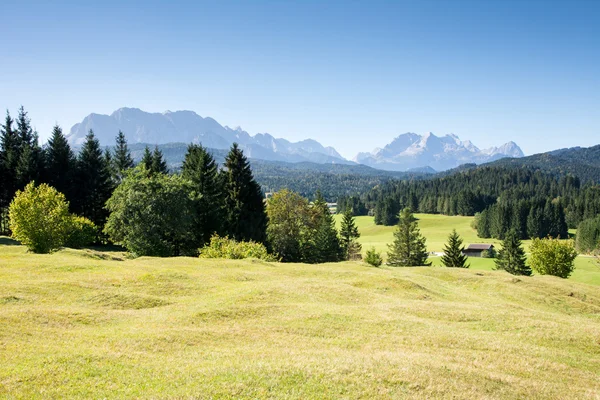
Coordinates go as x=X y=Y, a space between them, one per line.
x=410 y=151
x=188 y=127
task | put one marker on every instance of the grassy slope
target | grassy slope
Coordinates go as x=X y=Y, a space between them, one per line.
x=80 y=324
x=436 y=229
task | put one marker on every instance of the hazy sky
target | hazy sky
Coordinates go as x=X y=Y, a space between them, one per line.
x=350 y=74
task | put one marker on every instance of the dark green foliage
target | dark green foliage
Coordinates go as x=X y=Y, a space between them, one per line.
x=354 y=203
x=152 y=214
x=93 y=182
x=9 y=156
x=246 y=218
x=408 y=249
x=511 y=257
x=453 y=252
x=373 y=257
x=321 y=242
x=122 y=160
x=159 y=165
x=588 y=235
x=289 y=225
x=30 y=159
x=386 y=211
x=60 y=163
x=147 y=159
x=348 y=236
x=200 y=168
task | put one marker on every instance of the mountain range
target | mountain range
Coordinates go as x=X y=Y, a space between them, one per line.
x=411 y=150
x=407 y=152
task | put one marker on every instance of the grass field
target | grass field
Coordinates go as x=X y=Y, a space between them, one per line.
x=85 y=324
x=436 y=229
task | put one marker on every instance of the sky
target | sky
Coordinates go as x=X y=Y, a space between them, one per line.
x=349 y=74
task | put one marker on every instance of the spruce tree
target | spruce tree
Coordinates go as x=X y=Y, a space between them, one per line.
x=147 y=159
x=511 y=256
x=9 y=156
x=93 y=181
x=30 y=158
x=122 y=160
x=348 y=235
x=326 y=242
x=200 y=168
x=159 y=165
x=60 y=163
x=453 y=252
x=246 y=216
x=408 y=249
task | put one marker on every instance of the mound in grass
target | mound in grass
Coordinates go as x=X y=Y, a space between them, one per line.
x=195 y=328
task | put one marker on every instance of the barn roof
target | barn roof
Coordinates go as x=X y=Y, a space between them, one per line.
x=480 y=246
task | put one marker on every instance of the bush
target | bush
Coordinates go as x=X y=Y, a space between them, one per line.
x=373 y=257
x=588 y=235
x=491 y=253
x=82 y=232
x=223 y=247
x=39 y=218
x=553 y=257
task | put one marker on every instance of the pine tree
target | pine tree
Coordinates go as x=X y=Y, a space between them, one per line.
x=9 y=156
x=408 y=249
x=246 y=217
x=200 y=168
x=453 y=252
x=93 y=180
x=122 y=160
x=159 y=165
x=147 y=159
x=30 y=159
x=326 y=242
x=60 y=163
x=511 y=257
x=348 y=235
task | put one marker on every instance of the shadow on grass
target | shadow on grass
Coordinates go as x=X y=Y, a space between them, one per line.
x=6 y=241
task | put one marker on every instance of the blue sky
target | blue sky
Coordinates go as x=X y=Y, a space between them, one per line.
x=350 y=74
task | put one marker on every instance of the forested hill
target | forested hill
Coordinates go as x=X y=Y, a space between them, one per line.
x=583 y=162
x=305 y=178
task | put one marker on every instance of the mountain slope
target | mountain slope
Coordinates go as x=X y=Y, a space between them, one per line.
x=188 y=127
x=409 y=151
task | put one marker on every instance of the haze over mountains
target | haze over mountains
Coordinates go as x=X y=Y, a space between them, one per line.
x=408 y=151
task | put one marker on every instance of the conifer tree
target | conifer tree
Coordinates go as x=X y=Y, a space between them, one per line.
x=326 y=242
x=453 y=252
x=30 y=158
x=511 y=256
x=9 y=156
x=122 y=160
x=246 y=216
x=93 y=180
x=408 y=249
x=348 y=235
x=147 y=159
x=159 y=165
x=60 y=163
x=200 y=168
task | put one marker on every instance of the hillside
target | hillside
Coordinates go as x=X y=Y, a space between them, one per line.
x=89 y=324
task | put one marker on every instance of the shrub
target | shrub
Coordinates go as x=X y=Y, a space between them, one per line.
x=553 y=257
x=39 y=218
x=588 y=235
x=491 y=253
x=82 y=232
x=373 y=257
x=223 y=247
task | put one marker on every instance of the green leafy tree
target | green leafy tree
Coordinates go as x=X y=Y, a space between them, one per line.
x=453 y=252
x=122 y=160
x=348 y=236
x=152 y=214
x=288 y=214
x=553 y=257
x=93 y=180
x=39 y=218
x=408 y=249
x=60 y=163
x=159 y=165
x=200 y=168
x=246 y=218
x=511 y=257
x=373 y=257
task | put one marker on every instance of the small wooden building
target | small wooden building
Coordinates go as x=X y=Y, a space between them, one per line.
x=477 y=249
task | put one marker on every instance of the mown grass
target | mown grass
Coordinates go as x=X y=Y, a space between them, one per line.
x=86 y=324
x=436 y=229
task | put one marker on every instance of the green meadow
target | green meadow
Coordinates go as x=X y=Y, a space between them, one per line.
x=97 y=324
